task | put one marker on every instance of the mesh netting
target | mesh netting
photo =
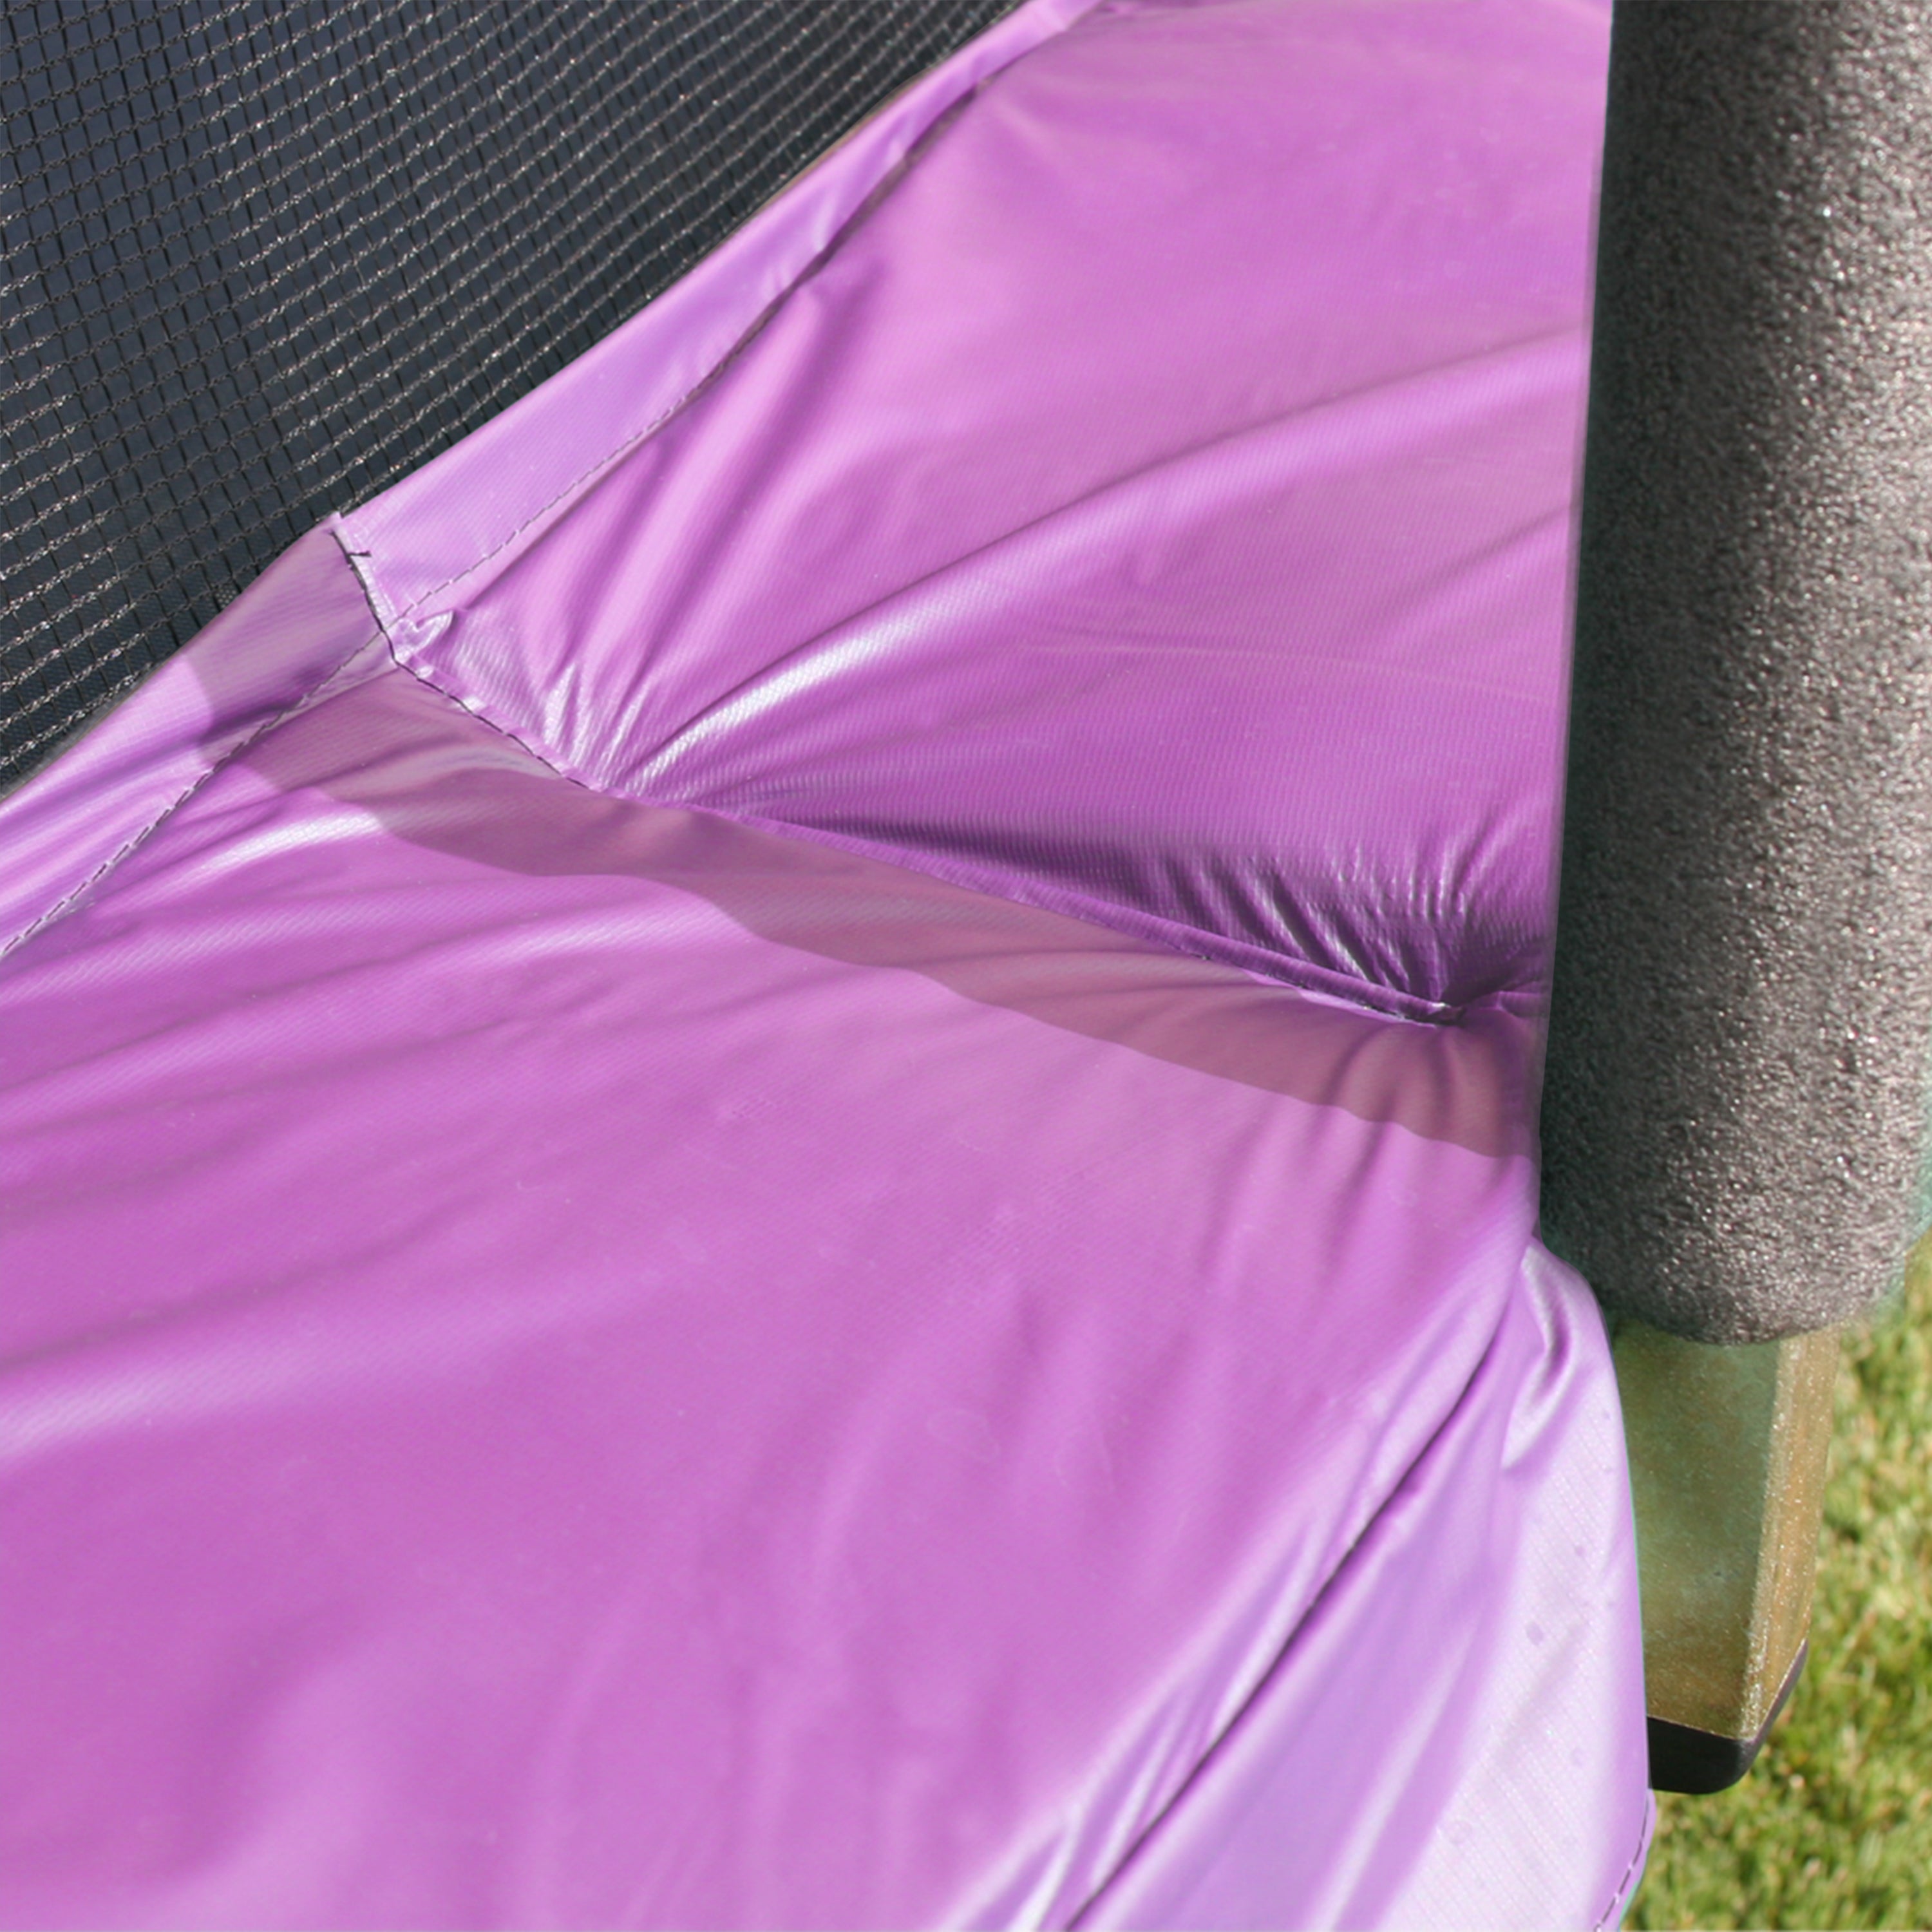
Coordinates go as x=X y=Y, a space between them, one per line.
x=262 y=258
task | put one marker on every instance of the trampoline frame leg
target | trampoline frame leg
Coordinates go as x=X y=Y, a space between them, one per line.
x=1727 y=1446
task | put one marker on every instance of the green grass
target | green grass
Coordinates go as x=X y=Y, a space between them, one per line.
x=1833 y=1825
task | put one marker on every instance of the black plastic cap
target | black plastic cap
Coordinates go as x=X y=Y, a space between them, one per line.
x=1698 y=1763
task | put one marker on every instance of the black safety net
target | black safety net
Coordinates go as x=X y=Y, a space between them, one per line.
x=262 y=258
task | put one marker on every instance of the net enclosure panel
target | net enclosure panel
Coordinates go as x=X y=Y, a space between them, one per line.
x=261 y=259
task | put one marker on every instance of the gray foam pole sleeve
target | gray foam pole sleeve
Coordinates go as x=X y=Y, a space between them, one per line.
x=1734 y=1102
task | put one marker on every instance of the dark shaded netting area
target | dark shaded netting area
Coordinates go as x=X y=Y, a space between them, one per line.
x=260 y=260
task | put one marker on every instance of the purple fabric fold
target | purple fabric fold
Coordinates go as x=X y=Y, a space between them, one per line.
x=1157 y=506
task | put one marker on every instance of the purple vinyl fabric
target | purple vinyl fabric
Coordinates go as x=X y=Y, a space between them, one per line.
x=767 y=1154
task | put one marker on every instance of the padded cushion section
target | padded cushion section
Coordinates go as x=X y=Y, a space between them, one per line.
x=1737 y=1121
x=1156 y=507
x=572 y=1362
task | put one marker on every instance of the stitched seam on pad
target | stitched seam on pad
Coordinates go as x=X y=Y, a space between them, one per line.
x=67 y=900
x=603 y=462
x=886 y=183
x=1618 y=1903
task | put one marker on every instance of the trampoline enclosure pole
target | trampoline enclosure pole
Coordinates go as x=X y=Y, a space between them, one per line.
x=1734 y=1098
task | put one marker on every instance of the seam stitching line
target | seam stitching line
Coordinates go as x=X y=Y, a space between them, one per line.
x=1617 y=1898
x=889 y=179
x=171 y=806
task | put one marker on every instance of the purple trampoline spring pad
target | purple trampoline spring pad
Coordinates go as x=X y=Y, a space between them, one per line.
x=766 y=1153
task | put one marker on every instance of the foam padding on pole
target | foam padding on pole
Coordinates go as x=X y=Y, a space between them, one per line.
x=1734 y=1107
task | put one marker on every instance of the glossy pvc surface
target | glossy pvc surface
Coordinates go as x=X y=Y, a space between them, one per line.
x=766 y=1153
